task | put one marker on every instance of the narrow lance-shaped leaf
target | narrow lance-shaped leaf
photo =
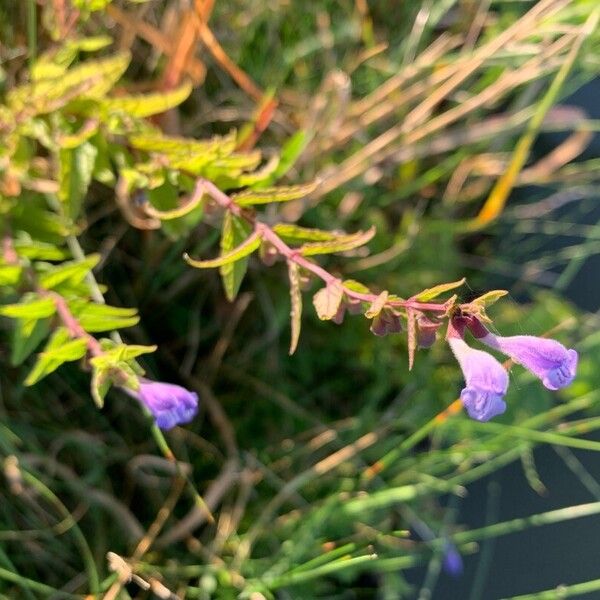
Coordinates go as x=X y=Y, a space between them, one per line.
x=235 y=231
x=489 y=298
x=327 y=300
x=74 y=271
x=146 y=105
x=434 y=292
x=341 y=243
x=32 y=307
x=295 y=233
x=75 y=175
x=246 y=248
x=412 y=336
x=276 y=194
x=296 y=304
x=59 y=349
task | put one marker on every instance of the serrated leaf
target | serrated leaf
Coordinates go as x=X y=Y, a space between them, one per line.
x=247 y=247
x=276 y=194
x=102 y=317
x=489 y=298
x=73 y=271
x=377 y=305
x=411 y=318
x=328 y=299
x=235 y=231
x=341 y=243
x=75 y=175
x=296 y=305
x=434 y=292
x=10 y=274
x=32 y=307
x=27 y=336
x=126 y=352
x=294 y=233
x=146 y=105
x=58 y=350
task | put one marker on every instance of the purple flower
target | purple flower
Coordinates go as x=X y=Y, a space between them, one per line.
x=486 y=381
x=452 y=562
x=549 y=360
x=169 y=404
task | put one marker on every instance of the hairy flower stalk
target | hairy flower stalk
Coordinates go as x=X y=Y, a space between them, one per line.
x=547 y=359
x=486 y=380
x=169 y=404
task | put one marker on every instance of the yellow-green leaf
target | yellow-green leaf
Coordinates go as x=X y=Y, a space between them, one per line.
x=296 y=305
x=247 y=247
x=489 y=298
x=434 y=292
x=341 y=243
x=146 y=105
x=275 y=194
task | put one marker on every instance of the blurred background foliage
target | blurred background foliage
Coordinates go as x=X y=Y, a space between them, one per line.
x=335 y=472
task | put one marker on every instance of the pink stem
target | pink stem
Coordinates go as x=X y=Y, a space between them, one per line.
x=292 y=255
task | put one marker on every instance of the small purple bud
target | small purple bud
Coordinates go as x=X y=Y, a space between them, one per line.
x=547 y=359
x=452 y=563
x=426 y=331
x=170 y=404
x=386 y=322
x=486 y=381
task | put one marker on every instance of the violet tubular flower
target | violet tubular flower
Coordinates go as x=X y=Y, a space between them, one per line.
x=169 y=404
x=485 y=378
x=547 y=359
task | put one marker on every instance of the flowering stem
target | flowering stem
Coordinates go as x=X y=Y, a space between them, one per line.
x=292 y=255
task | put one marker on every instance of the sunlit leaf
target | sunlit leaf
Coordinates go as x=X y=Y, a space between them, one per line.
x=277 y=194
x=341 y=243
x=434 y=292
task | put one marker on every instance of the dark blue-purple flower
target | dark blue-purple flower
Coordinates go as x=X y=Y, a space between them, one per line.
x=169 y=404
x=452 y=562
x=485 y=378
x=548 y=359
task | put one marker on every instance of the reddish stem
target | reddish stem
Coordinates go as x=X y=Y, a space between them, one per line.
x=292 y=255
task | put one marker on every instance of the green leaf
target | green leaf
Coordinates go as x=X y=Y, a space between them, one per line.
x=290 y=153
x=100 y=385
x=184 y=148
x=357 y=286
x=73 y=271
x=434 y=292
x=328 y=299
x=341 y=243
x=59 y=349
x=27 y=336
x=247 y=247
x=10 y=274
x=101 y=317
x=276 y=194
x=296 y=305
x=294 y=233
x=90 y=79
x=32 y=307
x=234 y=231
x=75 y=175
x=146 y=105
x=489 y=298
